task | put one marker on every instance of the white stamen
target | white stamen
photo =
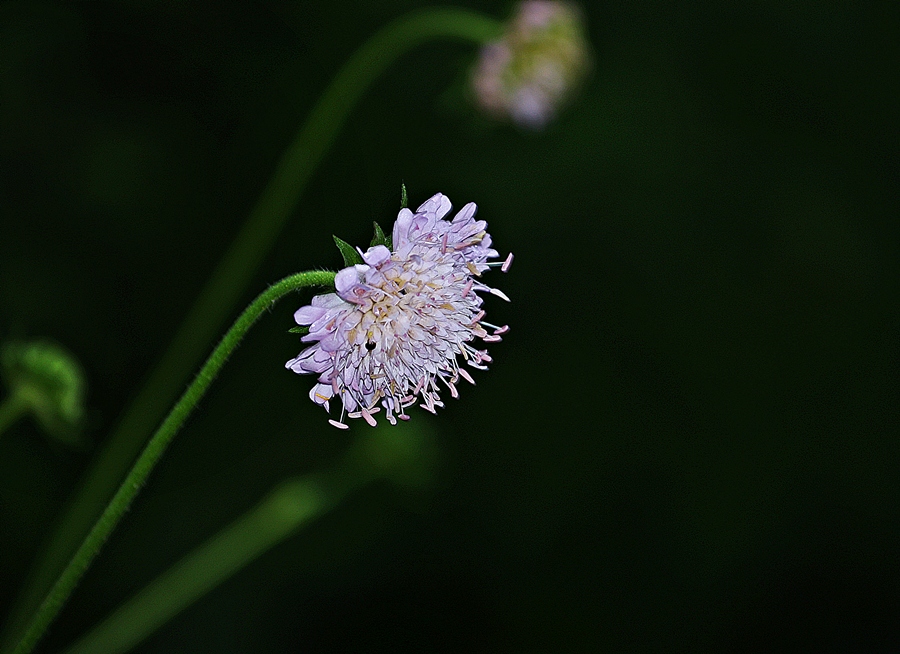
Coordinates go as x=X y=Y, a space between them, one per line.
x=497 y=330
x=465 y=375
x=368 y=418
x=500 y=294
x=419 y=385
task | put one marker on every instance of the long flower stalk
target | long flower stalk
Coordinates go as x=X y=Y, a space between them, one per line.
x=230 y=278
x=137 y=476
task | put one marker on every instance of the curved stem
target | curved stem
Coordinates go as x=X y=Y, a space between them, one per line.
x=130 y=487
x=234 y=271
x=11 y=409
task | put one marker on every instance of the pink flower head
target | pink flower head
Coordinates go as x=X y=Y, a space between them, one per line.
x=532 y=70
x=391 y=333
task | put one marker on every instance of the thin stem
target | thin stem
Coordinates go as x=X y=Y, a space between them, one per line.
x=11 y=409
x=230 y=278
x=135 y=479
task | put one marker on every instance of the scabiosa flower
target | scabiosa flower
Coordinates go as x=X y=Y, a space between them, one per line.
x=529 y=73
x=393 y=332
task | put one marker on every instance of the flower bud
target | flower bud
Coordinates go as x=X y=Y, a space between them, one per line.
x=533 y=69
x=48 y=381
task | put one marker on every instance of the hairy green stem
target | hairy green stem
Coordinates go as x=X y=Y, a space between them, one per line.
x=11 y=409
x=233 y=273
x=138 y=474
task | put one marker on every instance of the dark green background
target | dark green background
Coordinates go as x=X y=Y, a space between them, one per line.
x=686 y=443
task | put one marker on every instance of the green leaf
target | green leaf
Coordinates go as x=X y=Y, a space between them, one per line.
x=351 y=256
x=301 y=329
x=380 y=238
x=404 y=200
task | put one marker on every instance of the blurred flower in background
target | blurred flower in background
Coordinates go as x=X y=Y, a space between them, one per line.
x=535 y=67
x=46 y=381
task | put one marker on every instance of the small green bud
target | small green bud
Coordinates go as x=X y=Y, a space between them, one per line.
x=49 y=381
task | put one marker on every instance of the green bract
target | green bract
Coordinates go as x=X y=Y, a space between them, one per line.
x=351 y=256
x=380 y=238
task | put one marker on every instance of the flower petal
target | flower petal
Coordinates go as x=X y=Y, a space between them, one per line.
x=401 y=227
x=377 y=255
x=308 y=315
x=348 y=284
x=313 y=359
x=466 y=213
x=435 y=207
x=321 y=393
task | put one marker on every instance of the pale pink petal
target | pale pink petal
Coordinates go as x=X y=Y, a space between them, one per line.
x=308 y=315
x=397 y=325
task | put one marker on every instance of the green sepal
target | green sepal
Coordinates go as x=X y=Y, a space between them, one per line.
x=300 y=329
x=404 y=200
x=351 y=256
x=380 y=238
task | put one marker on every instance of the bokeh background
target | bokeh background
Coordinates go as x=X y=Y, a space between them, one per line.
x=687 y=442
